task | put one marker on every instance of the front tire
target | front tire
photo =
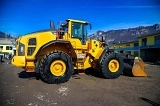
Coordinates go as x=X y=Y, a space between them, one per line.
x=56 y=67
x=111 y=66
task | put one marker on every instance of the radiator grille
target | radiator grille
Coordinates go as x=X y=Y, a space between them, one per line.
x=32 y=41
x=31 y=46
x=31 y=50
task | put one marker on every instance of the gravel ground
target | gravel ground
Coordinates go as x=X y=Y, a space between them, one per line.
x=20 y=89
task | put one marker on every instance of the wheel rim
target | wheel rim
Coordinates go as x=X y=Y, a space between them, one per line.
x=113 y=65
x=58 y=68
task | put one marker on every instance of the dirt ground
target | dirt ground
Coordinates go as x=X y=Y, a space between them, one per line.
x=17 y=88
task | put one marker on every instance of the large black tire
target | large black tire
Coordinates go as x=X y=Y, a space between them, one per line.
x=47 y=74
x=109 y=59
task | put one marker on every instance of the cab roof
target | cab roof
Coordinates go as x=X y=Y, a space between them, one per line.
x=77 y=21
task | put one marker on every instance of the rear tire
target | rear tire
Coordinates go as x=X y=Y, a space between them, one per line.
x=111 y=66
x=56 y=67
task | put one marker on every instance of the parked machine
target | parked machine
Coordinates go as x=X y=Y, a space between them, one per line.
x=56 y=53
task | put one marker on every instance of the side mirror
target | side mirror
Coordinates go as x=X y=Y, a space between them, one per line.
x=52 y=25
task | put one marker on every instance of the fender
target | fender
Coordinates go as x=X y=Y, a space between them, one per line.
x=74 y=56
x=106 y=50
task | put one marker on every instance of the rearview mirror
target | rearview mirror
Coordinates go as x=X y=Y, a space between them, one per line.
x=52 y=25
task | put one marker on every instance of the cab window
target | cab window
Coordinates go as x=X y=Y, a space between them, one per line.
x=79 y=31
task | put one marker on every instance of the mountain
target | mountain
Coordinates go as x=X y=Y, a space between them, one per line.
x=125 y=35
x=4 y=35
x=115 y=36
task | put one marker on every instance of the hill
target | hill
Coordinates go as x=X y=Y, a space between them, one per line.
x=125 y=35
x=4 y=35
x=115 y=36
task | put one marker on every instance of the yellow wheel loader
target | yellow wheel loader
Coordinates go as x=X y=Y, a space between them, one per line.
x=56 y=52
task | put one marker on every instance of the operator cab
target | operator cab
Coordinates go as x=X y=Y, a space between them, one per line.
x=76 y=28
x=79 y=30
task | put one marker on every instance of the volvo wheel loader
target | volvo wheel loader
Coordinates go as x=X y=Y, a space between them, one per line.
x=56 y=52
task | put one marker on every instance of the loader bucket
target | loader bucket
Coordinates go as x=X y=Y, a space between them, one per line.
x=134 y=67
x=139 y=68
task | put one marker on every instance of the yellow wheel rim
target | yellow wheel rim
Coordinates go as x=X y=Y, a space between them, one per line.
x=58 y=68
x=113 y=65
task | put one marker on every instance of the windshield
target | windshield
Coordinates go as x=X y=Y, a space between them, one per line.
x=79 y=31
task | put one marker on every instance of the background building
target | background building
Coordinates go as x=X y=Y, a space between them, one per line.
x=7 y=46
x=147 y=47
x=131 y=48
x=150 y=47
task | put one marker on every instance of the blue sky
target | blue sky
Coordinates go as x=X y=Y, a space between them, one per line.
x=25 y=16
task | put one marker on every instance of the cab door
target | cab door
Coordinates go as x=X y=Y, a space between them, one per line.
x=78 y=35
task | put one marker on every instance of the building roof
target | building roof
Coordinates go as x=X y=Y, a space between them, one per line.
x=7 y=41
x=149 y=35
